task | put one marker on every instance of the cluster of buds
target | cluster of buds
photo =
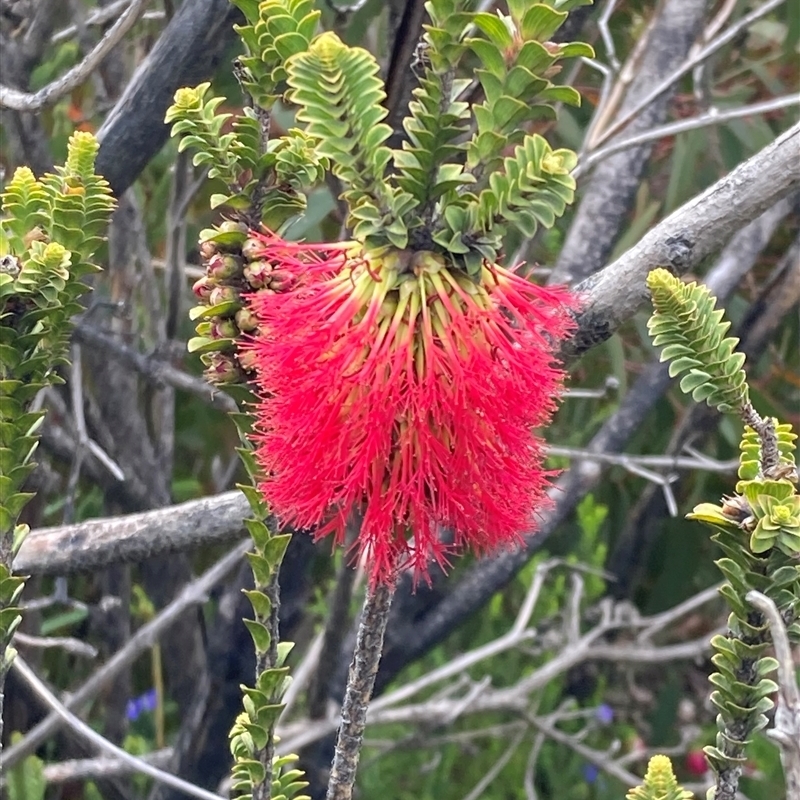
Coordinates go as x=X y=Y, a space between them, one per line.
x=235 y=270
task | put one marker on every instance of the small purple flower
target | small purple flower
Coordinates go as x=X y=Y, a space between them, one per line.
x=141 y=704
x=590 y=773
x=604 y=714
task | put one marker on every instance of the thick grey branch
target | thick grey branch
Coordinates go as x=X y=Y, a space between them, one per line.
x=187 y=52
x=99 y=542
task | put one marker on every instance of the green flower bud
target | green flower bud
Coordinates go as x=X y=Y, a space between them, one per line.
x=246 y=320
x=258 y=274
x=222 y=267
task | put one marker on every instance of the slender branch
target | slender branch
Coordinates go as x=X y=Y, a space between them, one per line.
x=713 y=116
x=695 y=462
x=730 y=34
x=98 y=17
x=360 y=683
x=591 y=755
x=786 y=728
x=69 y=644
x=192 y=594
x=152 y=367
x=88 y=769
x=86 y=733
x=491 y=775
x=53 y=92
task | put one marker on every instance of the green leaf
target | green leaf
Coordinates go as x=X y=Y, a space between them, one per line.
x=541 y=22
x=495 y=29
x=262 y=605
x=260 y=634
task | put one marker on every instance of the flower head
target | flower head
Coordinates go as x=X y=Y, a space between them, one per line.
x=403 y=391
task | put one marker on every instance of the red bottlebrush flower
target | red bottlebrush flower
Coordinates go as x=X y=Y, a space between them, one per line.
x=404 y=391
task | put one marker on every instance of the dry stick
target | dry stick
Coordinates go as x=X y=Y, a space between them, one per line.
x=89 y=735
x=53 y=92
x=786 y=728
x=715 y=116
x=90 y=769
x=144 y=638
x=360 y=682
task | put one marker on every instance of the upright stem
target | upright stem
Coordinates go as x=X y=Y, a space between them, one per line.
x=10 y=589
x=360 y=682
x=264 y=662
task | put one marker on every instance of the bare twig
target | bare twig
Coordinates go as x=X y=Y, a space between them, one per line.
x=786 y=728
x=81 y=436
x=67 y=643
x=728 y=36
x=713 y=116
x=152 y=367
x=491 y=774
x=79 y=727
x=87 y=769
x=697 y=461
x=591 y=755
x=101 y=16
x=192 y=594
x=22 y=101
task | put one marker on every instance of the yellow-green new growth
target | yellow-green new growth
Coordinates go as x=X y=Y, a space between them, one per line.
x=691 y=332
x=49 y=231
x=660 y=783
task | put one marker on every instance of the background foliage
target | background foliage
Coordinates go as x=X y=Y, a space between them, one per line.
x=174 y=444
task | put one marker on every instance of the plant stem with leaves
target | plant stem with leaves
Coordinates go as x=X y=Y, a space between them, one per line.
x=49 y=232
x=758 y=527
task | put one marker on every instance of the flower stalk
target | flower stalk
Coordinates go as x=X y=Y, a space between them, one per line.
x=360 y=683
